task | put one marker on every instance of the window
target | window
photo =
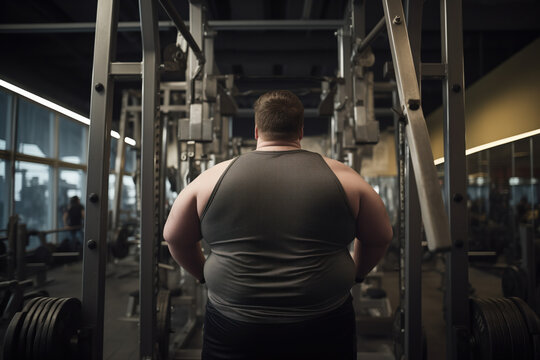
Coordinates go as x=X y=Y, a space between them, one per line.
x=33 y=189
x=35 y=131
x=112 y=158
x=5 y=120
x=4 y=193
x=70 y=183
x=112 y=180
x=129 y=199
x=72 y=143
x=131 y=159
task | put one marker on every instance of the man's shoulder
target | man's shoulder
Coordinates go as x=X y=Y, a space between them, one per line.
x=349 y=178
x=338 y=166
x=208 y=178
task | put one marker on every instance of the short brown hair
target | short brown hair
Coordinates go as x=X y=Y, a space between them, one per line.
x=279 y=115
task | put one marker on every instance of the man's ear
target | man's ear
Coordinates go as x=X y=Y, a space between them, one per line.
x=301 y=134
x=256 y=133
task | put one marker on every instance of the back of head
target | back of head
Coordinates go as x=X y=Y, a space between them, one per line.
x=279 y=115
x=74 y=200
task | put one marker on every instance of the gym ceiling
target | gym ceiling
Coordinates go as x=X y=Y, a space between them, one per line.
x=58 y=65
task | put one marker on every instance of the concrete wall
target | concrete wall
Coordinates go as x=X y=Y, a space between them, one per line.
x=504 y=103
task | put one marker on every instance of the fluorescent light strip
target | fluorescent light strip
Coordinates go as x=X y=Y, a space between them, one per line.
x=495 y=143
x=115 y=135
x=44 y=102
x=130 y=141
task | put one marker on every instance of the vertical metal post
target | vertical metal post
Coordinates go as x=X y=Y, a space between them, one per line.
x=196 y=21
x=413 y=265
x=343 y=95
x=150 y=112
x=95 y=233
x=457 y=289
x=120 y=162
x=413 y=248
x=13 y=145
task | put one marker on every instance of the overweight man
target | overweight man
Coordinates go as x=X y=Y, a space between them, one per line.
x=279 y=221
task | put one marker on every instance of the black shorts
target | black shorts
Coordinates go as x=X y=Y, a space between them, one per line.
x=331 y=336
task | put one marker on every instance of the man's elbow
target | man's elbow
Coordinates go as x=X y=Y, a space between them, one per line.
x=167 y=235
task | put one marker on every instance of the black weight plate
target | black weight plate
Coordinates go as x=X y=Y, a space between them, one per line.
x=65 y=323
x=41 y=325
x=507 y=329
x=487 y=331
x=482 y=338
x=501 y=344
x=32 y=306
x=512 y=332
x=514 y=282
x=31 y=334
x=12 y=335
x=53 y=312
x=530 y=317
x=533 y=324
x=164 y=322
x=523 y=329
x=44 y=337
x=30 y=303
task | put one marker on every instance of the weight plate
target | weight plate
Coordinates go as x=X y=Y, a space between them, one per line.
x=514 y=282
x=31 y=334
x=533 y=324
x=481 y=335
x=163 y=318
x=65 y=323
x=506 y=328
x=12 y=335
x=44 y=338
x=525 y=337
x=32 y=306
x=501 y=344
x=30 y=303
x=512 y=333
x=41 y=325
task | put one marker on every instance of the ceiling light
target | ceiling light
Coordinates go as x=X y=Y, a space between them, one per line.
x=44 y=102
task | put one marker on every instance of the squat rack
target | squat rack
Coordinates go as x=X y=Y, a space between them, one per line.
x=421 y=187
x=106 y=70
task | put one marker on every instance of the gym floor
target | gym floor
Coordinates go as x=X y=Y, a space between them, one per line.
x=121 y=334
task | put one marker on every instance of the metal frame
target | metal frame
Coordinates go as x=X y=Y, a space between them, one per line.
x=95 y=234
x=119 y=164
x=152 y=141
x=413 y=235
x=149 y=229
x=431 y=202
x=219 y=25
x=457 y=273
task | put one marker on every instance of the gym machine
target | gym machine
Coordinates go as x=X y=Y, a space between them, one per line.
x=491 y=322
x=66 y=328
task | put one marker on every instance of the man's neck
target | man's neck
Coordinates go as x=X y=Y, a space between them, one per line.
x=277 y=145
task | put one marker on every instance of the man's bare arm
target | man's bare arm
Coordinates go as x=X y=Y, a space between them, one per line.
x=182 y=233
x=373 y=232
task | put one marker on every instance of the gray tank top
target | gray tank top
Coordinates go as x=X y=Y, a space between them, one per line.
x=278 y=224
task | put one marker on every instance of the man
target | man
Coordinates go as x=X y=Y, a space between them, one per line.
x=73 y=217
x=278 y=221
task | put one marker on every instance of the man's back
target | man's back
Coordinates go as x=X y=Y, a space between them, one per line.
x=278 y=232
x=278 y=224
